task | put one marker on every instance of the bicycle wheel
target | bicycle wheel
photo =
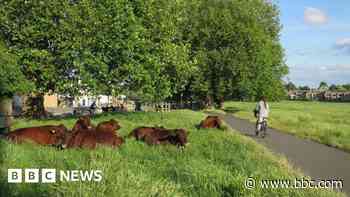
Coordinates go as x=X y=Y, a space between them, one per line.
x=264 y=128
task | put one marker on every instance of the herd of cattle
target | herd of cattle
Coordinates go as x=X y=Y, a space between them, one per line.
x=85 y=135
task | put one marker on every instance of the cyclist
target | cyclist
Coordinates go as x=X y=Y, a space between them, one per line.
x=92 y=108
x=261 y=112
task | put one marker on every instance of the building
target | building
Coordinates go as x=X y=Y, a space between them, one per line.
x=319 y=95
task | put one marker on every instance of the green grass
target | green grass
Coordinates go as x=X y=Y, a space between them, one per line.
x=327 y=123
x=216 y=163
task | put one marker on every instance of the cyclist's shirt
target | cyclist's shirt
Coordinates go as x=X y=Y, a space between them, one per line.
x=263 y=111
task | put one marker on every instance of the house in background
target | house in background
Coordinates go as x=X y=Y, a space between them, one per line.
x=19 y=103
x=319 y=95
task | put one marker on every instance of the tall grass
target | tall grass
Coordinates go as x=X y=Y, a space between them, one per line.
x=327 y=123
x=216 y=163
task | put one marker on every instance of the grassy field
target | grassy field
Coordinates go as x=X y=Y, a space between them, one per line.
x=327 y=123
x=216 y=163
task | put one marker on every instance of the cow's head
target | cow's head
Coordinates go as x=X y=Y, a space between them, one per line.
x=58 y=134
x=114 y=124
x=111 y=125
x=181 y=137
x=83 y=122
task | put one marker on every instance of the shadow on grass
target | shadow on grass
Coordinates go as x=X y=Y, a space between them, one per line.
x=232 y=110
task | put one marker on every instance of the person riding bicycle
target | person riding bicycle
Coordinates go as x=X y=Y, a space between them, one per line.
x=261 y=112
x=92 y=108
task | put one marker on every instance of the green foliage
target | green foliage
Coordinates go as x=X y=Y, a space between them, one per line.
x=237 y=47
x=304 y=88
x=12 y=79
x=323 y=86
x=341 y=88
x=290 y=86
x=156 y=49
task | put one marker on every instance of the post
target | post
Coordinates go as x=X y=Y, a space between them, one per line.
x=5 y=114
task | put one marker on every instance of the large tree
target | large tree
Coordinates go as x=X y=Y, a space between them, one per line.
x=155 y=49
x=12 y=79
x=236 y=44
x=71 y=47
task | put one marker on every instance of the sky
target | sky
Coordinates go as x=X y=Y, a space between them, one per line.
x=316 y=39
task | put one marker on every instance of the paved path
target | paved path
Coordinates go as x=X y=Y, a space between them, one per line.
x=316 y=160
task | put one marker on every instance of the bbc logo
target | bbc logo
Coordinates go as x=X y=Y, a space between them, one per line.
x=31 y=175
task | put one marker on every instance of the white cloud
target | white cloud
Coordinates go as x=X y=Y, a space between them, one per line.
x=314 y=16
x=343 y=45
x=339 y=67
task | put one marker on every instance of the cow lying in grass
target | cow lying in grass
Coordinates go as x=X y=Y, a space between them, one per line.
x=103 y=134
x=110 y=126
x=160 y=135
x=211 y=122
x=43 y=135
x=83 y=123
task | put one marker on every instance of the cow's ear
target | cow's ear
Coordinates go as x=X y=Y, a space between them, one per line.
x=53 y=131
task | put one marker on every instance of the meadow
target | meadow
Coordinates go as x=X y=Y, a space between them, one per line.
x=326 y=123
x=215 y=163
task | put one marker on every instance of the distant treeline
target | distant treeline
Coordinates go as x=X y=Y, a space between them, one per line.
x=323 y=86
x=154 y=50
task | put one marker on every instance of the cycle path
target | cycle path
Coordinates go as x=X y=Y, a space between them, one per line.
x=318 y=161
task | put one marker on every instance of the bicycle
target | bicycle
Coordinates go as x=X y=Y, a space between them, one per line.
x=263 y=128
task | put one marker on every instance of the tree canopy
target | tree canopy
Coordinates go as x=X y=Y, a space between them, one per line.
x=12 y=79
x=154 y=49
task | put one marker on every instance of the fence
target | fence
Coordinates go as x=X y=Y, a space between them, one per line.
x=157 y=107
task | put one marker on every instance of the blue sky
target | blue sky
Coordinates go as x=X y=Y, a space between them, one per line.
x=316 y=39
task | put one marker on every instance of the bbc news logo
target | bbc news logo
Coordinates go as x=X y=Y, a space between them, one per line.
x=35 y=175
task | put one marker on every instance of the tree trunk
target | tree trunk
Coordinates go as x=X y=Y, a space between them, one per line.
x=36 y=107
x=5 y=113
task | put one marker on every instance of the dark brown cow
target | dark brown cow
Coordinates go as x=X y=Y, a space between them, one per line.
x=140 y=132
x=44 y=135
x=83 y=123
x=160 y=135
x=110 y=126
x=211 y=122
x=167 y=136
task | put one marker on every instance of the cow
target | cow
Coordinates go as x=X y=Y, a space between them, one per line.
x=43 y=135
x=160 y=135
x=83 y=123
x=110 y=126
x=90 y=139
x=211 y=122
x=140 y=132
x=176 y=137
x=104 y=134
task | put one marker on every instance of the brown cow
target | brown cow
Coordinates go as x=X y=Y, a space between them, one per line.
x=211 y=122
x=83 y=123
x=160 y=135
x=140 y=132
x=110 y=126
x=44 y=135
x=91 y=138
x=167 y=136
x=86 y=136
